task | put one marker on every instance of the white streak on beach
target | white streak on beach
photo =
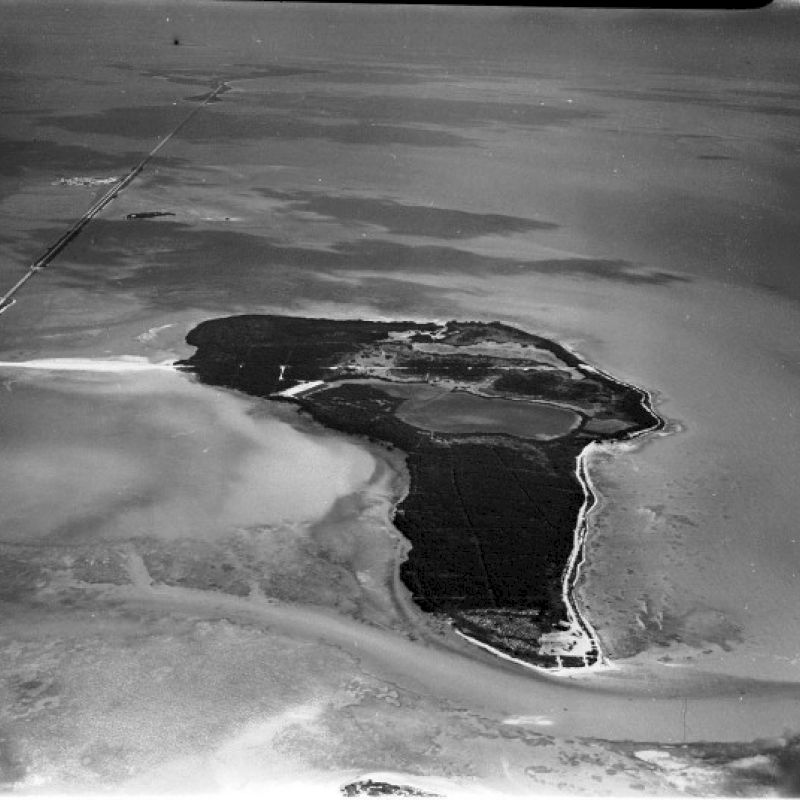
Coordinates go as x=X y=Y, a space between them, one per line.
x=580 y=639
x=301 y=388
x=119 y=364
x=580 y=630
x=605 y=666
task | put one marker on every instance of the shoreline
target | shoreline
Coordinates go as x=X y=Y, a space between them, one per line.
x=527 y=609
x=602 y=683
x=577 y=559
x=572 y=573
x=579 y=621
x=580 y=638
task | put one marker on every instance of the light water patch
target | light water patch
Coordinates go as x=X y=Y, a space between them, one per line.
x=124 y=450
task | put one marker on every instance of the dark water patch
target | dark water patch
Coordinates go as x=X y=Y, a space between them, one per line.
x=655 y=95
x=221 y=123
x=199 y=98
x=401 y=218
x=384 y=255
x=179 y=256
x=427 y=110
x=775 y=94
x=790 y=146
x=204 y=76
x=359 y=76
x=715 y=158
x=219 y=90
x=723 y=101
x=170 y=265
x=133 y=122
x=174 y=242
x=762 y=108
x=10 y=77
x=19 y=156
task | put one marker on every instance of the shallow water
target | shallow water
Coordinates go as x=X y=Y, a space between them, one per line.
x=621 y=182
x=110 y=455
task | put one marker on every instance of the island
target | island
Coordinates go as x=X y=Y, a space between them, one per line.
x=494 y=423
